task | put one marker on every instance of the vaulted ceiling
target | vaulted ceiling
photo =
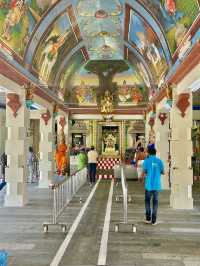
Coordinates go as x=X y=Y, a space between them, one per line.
x=57 y=39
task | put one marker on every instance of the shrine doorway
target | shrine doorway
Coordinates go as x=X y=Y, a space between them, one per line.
x=109 y=139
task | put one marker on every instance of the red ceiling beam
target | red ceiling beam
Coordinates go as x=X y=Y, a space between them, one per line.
x=13 y=74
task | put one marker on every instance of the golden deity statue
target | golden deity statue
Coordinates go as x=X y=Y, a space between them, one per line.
x=107 y=103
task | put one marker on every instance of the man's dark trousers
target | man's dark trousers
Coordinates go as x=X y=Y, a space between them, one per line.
x=151 y=215
x=92 y=172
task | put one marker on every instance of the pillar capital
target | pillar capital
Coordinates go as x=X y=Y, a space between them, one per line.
x=181 y=151
x=17 y=123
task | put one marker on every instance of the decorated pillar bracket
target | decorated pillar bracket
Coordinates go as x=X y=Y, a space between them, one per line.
x=29 y=94
x=162 y=117
x=14 y=102
x=46 y=116
x=62 y=122
x=183 y=103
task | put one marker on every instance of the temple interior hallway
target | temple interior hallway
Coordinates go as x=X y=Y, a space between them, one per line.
x=175 y=241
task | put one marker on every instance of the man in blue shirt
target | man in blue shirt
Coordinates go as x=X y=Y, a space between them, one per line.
x=152 y=169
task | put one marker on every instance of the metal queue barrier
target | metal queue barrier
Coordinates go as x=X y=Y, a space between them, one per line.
x=63 y=192
x=125 y=203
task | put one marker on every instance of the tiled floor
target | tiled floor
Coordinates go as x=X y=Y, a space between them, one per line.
x=175 y=241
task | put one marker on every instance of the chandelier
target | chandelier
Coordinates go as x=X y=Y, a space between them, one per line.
x=107 y=106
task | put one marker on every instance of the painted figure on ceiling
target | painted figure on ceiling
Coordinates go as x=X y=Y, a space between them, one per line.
x=16 y=11
x=143 y=73
x=136 y=95
x=124 y=92
x=50 y=54
x=60 y=155
x=170 y=6
x=148 y=49
x=84 y=94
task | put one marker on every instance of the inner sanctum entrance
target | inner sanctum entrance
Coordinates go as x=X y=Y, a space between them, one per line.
x=109 y=138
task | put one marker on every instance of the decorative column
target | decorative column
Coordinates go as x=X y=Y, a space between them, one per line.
x=94 y=133
x=181 y=152
x=162 y=142
x=3 y=130
x=63 y=125
x=17 y=119
x=46 y=148
x=147 y=128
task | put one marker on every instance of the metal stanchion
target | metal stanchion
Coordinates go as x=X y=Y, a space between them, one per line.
x=125 y=204
x=63 y=192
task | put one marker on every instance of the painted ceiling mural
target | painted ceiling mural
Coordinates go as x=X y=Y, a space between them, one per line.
x=53 y=48
x=131 y=89
x=175 y=17
x=67 y=75
x=147 y=42
x=101 y=25
x=81 y=87
x=18 y=19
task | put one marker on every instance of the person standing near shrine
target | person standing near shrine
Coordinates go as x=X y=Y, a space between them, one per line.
x=30 y=162
x=92 y=164
x=140 y=156
x=152 y=169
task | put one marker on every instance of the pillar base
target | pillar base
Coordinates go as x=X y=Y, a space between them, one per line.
x=43 y=183
x=180 y=204
x=11 y=201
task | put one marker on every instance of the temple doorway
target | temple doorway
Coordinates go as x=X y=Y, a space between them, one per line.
x=109 y=142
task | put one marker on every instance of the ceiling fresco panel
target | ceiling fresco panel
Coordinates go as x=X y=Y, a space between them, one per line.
x=131 y=89
x=144 y=38
x=81 y=86
x=74 y=64
x=56 y=43
x=175 y=17
x=101 y=24
x=18 y=19
x=142 y=72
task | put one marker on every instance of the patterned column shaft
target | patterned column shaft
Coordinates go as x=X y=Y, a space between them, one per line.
x=181 y=152
x=17 y=118
x=46 y=149
x=162 y=143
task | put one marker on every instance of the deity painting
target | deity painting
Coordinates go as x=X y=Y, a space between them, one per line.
x=18 y=19
x=85 y=94
x=131 y=94
x=144 y=38
x=53 y=48
x=175 y=16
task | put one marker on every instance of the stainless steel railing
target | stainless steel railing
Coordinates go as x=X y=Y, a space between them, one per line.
x=126 y=198
x=63 y=191
x=125 y=194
